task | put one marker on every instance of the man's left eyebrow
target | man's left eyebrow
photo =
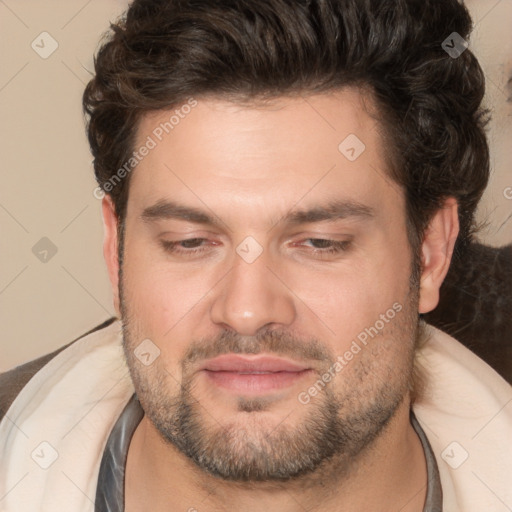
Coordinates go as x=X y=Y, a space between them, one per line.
x=334 y=210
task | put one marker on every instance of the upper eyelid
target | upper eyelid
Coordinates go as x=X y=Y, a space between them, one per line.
x=201 y=246
x=346 y=237
x=334 y=241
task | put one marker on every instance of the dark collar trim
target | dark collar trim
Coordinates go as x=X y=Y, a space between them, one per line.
x=110 y=488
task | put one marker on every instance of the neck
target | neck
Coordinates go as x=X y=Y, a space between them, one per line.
x=158 y=477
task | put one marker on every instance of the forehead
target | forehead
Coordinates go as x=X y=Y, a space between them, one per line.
x=326 y=145
x=280 y=122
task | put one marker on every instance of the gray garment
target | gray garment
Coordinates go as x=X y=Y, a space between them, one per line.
x=110 y=489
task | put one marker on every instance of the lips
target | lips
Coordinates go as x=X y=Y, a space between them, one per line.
x=252 y=364
x=253 y=375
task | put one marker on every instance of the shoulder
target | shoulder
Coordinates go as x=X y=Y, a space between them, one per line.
x=447 y=365
x=14 y=380
x=465 y=409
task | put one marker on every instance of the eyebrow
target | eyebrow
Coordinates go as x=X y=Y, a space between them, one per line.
x=332 y=211
x=167 y=210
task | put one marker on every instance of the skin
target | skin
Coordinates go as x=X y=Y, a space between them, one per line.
x=249 y=166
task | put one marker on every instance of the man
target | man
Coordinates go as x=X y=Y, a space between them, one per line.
x=285 y=185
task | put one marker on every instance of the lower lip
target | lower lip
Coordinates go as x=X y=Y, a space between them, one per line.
x=255 y=382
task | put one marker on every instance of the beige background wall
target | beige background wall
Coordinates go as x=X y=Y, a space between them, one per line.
x=53 y=284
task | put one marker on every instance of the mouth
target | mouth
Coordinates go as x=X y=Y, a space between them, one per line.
x=252 y=375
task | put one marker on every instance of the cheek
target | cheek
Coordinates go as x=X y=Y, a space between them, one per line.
x=350 y=298
x=165 y=309
x=161 y=298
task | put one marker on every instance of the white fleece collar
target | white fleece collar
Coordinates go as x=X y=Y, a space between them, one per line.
x=67 y=410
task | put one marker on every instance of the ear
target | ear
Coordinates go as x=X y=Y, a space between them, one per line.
x=110 y=247
x=436 y=253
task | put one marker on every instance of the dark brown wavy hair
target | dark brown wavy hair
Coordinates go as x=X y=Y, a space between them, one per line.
x=162 y=52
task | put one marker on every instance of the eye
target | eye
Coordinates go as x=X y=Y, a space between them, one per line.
x=189 y=246
x=191 y=243
x=325 y=246
x=330 y=245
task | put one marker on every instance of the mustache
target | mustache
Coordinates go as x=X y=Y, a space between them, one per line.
x=271 y=341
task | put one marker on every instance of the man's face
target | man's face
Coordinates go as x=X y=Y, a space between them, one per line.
x=282 y=339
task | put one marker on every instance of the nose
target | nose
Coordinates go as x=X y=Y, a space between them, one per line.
x=252 y=297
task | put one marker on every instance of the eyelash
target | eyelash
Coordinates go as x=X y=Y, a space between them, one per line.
x=336 y=247
x=173 y=246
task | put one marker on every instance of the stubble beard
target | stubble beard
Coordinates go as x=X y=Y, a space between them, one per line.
x=336 y=427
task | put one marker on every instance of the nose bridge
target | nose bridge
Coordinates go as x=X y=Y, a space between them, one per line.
x=251 y=297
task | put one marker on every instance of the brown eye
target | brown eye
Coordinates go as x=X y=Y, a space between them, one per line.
x=321 y=243
x=188 y=247
x=326 y=246
x=191 y=243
